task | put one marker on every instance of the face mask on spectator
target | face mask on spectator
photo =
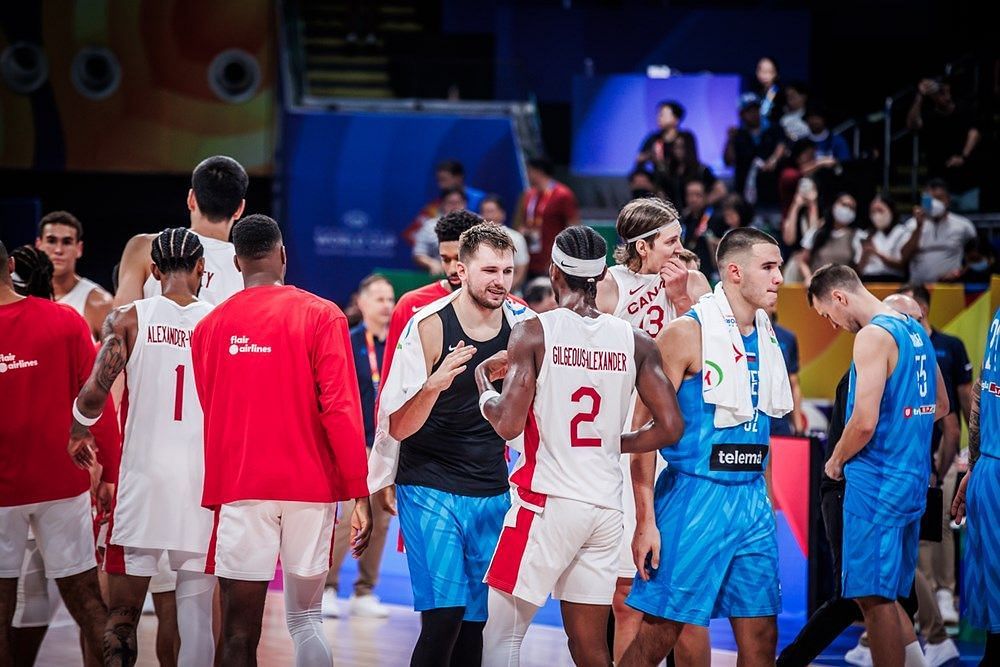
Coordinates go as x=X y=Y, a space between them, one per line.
x=843 y=215
x=938 y=208
x=881 y=220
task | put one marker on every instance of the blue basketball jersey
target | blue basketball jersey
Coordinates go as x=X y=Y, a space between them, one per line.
x=887 y=480
x=733 y=454
x=989 y=398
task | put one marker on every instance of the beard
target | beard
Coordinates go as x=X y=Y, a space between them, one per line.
x=482 y=299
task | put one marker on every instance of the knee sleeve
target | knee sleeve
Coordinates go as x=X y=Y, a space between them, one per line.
x=304 y=617
x=194 y=594
x=508 y=621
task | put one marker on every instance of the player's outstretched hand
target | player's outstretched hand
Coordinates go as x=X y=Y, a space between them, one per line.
x=958 y=504
x=452 y=366
x=646 y=550
x=675 y=279
x=81 y=447
x=361 y=526
x=386 y=499
x=496 y=366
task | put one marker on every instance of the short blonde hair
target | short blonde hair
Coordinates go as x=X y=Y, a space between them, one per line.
x=689 y=258
x=636 y=218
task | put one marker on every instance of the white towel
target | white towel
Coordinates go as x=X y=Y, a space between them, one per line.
x=725 y=374
x=406 y=376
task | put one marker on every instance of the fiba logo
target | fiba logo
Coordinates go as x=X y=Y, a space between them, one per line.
x=355 y=219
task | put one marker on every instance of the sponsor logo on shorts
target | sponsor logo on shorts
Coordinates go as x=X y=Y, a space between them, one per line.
x=919 y=410
x=8 y=362
x=242 y=345
x=737 y=458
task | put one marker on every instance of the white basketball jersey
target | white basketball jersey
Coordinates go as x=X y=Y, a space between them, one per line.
x=572 y=440
x=76 y=298
x=221 y=279
x=642 y=301
x=163 y=465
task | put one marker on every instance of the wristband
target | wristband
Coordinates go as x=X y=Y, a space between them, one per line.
x=85 y=421
x=485 y=396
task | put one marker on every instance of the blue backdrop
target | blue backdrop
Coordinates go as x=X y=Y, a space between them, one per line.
x=352 y=182
x=613 y=114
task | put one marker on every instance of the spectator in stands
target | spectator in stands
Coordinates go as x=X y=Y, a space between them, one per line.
x=801 y=217
x=827 y=144
x=793 y=120
x=768 y=89
x=881 y=259
x=733 y=212
x=547 y=207
x=802 y=163
x=753 y=152
x=684 y=167
x=835 y=241
x=696 y=218
x=539 y=296
x=449 y=174
x=979 y=264
x=937 y=237
x=493 y=210
x=949 y=136
x=655 y=149
x=642 y=183
x=425 y=243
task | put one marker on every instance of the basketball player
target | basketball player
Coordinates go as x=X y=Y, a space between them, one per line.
x=648 y=287
x=46 y=353
x=448 y=228
x=705 y=543
x=284 y=441
x=163 y=469
x=451 y=475
x=568 y=386
x=215 y=201
x=60 y=235
x=978 y=497
x=896 y=393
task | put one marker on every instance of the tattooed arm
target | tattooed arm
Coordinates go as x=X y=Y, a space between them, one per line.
x=974 y=426
x=117 y=336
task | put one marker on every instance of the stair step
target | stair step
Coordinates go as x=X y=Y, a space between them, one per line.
x=349 y=91
x=346 y=60
x=328 y=76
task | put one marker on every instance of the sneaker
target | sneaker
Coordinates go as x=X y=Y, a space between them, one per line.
x=940 y=654
x=860 y=656
x=368 y=606
x=946 y=604
x=331 y=603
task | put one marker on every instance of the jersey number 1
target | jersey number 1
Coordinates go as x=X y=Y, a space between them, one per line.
x=179 y=393
x=575 y=440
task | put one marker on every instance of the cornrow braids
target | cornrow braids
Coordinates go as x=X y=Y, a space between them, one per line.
x=34 y=272
x=176 y=250
x=582 y=242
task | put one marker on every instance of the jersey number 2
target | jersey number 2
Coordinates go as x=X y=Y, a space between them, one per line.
x=575 y=440
x=179 y=393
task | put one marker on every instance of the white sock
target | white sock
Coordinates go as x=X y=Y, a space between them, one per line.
x=194 y=595
x=508 y=621
x=914 y=655
x=304 y=616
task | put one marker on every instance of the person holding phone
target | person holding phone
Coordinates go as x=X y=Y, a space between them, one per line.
x=937 y=237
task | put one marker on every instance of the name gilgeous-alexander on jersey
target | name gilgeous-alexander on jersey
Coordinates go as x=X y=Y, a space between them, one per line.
x=572 y=440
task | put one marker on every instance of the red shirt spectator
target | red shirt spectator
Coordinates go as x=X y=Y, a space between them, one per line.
x=546 y=208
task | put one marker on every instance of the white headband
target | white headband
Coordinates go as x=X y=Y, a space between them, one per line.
x=653 y=232
x=581 y=268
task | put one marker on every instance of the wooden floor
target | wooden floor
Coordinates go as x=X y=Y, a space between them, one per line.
x=356 y=642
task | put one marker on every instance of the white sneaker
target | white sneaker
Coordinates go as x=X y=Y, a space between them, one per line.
x=861 y=656
x=331 y=603
x=939 y=654
x=368 y=606
x=946 y=604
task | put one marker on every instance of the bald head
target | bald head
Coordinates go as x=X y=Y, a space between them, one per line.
x=904 y=304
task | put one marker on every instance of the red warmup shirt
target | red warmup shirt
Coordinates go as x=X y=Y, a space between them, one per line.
x=275 y=376
x=549 y=211
x=407 y=305
x=46 y=355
